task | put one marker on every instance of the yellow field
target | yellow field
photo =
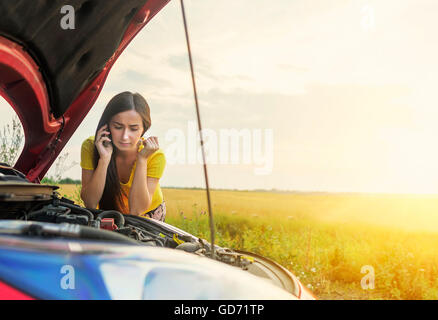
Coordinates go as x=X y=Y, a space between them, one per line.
x=325 y=239
x=407 y=212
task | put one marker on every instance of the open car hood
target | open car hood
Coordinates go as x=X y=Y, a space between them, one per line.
x=51 y=76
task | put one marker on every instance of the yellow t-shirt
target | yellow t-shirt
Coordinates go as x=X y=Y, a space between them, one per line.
x=155 y=168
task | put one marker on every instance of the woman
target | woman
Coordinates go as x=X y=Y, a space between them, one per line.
x=120 y=169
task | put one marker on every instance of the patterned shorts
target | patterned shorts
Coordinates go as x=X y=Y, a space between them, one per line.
x=159 y=213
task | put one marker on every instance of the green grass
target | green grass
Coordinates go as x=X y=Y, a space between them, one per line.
x=328 y=258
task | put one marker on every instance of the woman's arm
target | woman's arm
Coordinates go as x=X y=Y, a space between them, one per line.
x=142 y=189
x=93 y=183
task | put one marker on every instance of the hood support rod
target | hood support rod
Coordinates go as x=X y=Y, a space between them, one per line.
x=210 y=212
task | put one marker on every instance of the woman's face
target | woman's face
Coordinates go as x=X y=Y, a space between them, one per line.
x=126 y=130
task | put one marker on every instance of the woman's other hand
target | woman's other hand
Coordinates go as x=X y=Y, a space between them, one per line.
x=150 y=145
x=103 y=143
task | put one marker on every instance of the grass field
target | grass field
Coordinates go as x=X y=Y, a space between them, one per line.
x=325 y=239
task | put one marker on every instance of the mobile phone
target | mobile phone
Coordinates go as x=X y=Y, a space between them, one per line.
x=106 y=143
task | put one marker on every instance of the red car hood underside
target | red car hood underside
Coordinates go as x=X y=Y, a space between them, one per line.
x=52 y=77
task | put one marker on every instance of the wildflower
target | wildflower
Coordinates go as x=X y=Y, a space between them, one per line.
x=313 y=270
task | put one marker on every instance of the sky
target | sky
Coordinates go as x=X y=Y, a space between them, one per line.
x=320 y=95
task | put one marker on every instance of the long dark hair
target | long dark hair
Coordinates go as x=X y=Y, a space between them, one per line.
x=112 y=194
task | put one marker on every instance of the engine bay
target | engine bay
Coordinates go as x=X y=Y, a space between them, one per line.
x=45 y=214
x=31 y=211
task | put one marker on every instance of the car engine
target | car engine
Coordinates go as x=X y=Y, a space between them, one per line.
x=37 y=211
x=47 y=215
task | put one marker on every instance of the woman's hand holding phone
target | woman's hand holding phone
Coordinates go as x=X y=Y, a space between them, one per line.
x=103 y=143
x=150 y=145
